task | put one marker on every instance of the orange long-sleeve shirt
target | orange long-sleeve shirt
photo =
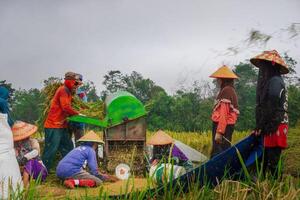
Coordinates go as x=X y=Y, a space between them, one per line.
x=60 y=109
x=224 y=114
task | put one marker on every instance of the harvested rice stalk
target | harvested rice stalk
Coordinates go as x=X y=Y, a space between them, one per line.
x=48 y=93
x=128 y=154
x=91 y=109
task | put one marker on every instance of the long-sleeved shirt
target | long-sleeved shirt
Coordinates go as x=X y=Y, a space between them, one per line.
x=60 y=109
x=225 y=111
x=75 y=160
x=271 y=108
x=224 y=114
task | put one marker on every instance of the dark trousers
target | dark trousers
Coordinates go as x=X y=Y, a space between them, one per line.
x=271 y=160
x=56 y=139
x=219 y=148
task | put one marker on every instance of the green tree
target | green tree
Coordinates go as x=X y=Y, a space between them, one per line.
x=246 y=91
x=26 y=105
x=90 y=90
x=113 y=81
x=144 y=89
x=291 y=78
x=159 y=112
x=294 y=104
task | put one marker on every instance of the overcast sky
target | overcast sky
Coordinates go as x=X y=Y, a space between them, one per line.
x=168 y=41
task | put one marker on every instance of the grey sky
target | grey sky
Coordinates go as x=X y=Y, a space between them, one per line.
x=167 y=41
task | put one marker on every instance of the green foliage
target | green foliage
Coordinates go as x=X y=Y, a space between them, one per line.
x=135 y=83
x=189 y=109
x=294 y=104
x=159 y=116
x=27 y=105
x=90 y=90
x=246 y=91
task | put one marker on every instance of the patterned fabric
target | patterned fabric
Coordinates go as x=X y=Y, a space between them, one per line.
x=271 y=56
x=35 y=168
x=23 y=147
x=271 y=108
x=277 y=139
x=225 y=111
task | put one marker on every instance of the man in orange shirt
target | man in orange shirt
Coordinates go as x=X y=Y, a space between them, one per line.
x=57 y=137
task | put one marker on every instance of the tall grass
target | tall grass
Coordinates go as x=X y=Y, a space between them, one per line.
x=262 y=188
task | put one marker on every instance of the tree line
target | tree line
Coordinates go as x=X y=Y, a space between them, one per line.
x=188 y=109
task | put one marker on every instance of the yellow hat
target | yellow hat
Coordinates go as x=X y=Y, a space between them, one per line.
x=270 y=58
x=91 y=136
x=224 y=72
x=160 y=138
x=22 y=130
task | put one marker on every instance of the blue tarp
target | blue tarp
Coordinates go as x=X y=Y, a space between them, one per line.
x=225 y=164
x=213 y=171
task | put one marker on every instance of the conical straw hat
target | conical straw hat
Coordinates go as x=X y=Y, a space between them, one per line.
x=22 y=130
x=160 y=138
x=224 y=72
x=270 y=58
x=91 y=136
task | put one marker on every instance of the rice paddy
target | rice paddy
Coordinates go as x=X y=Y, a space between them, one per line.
x=288 y=187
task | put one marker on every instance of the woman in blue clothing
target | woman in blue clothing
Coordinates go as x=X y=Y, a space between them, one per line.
x=73 y=167
x=4 y=107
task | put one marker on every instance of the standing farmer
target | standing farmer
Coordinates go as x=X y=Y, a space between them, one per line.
x=271 y=107
x=76 y=127
x=225 y=111
x=57 y=137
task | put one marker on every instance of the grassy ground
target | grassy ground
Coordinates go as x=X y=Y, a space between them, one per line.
x=287 y=188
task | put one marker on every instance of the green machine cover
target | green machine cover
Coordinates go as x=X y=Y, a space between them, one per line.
x=119 y=107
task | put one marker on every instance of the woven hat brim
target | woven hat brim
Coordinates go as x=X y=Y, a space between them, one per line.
x=160 y=143
x=90 y=140
x=262 y=63
x=25 y=135
x=228 y=77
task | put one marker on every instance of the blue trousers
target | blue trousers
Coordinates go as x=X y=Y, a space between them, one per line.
x=56 y=140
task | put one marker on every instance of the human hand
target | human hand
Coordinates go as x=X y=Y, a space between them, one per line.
x=154 y=162
x=256 y=132
x=218 y=138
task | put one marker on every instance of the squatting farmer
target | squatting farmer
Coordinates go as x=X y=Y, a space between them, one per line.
x=73 y=167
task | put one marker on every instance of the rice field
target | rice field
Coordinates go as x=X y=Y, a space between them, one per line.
x=288 y=187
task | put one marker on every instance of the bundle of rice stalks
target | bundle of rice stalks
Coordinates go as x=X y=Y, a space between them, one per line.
x=90 y=109
x=48 y=93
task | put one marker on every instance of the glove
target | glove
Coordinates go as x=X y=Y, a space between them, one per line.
x=32 y=154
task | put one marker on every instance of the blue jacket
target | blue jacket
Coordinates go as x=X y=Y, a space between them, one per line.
x=4 y=108
x=74 y=161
